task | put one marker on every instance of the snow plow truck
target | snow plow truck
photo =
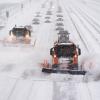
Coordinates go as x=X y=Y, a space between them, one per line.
x=64 y=57
x=19 y=35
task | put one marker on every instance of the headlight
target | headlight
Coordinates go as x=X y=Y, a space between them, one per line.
x=12 y=37
x=27 y=36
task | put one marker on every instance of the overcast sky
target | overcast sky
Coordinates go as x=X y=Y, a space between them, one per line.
x=10 y=1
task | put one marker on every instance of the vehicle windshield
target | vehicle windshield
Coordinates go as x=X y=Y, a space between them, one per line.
x=19 y=32
x=65 y=51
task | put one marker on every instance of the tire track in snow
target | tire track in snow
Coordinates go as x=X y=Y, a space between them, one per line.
x=84 y=92
x=12 y=90
x=92 y=21
x=77 y=29
x=96 y=38
x=89 y=92
x=89 y=20
x=66 y=89
x=90 y=32
x=29 y=93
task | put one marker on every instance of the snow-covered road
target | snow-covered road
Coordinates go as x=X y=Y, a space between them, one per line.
x=20 y=73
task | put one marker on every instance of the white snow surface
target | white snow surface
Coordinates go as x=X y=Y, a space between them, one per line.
x=20 y=71
x=10 y=1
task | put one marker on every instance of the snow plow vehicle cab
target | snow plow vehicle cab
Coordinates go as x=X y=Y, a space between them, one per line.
x=20 y=35
x=65 y=53
x=64 y=56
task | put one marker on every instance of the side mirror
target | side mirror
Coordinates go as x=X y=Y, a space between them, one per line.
x=9 y=32
x=51 y=51
x=79 y=51
x=29 y=33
